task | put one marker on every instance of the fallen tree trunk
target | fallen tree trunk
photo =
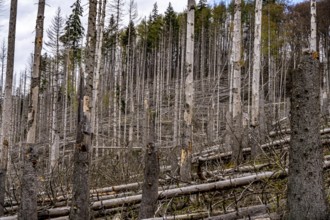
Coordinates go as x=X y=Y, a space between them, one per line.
x=246 y=212
x=166 y=194
x=188 y=190
x=288 y=131
x=227 y=155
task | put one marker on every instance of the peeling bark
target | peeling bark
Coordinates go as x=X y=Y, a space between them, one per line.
x=185 y=164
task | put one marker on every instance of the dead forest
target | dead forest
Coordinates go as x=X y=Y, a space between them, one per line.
x=220 y=111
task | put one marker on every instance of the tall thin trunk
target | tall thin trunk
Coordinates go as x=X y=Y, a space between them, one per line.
x=256 y=72
x=28 y=206
x=313 y=40
x=236 y=84
x=185 y=163
x=98 y=58
x=7 y=106
x=54 y=130
x=80 y=192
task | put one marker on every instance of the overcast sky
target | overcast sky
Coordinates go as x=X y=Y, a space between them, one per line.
x=26 y=19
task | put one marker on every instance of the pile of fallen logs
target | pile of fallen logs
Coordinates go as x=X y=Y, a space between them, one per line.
x=117 y=199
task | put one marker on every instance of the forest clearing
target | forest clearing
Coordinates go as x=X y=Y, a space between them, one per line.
x=220 y=111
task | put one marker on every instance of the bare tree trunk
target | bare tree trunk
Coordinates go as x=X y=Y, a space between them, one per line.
x=80 y=201
x=28 y=206
x=236 y=88
x=256 y=74
x=98 y=58
x=306 y=195
x=7 y=105
x=313 y=39
x=186 y=151
x=54 y=155
x=151 y=170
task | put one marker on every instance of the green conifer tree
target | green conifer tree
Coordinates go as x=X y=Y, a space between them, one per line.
x=73 y=30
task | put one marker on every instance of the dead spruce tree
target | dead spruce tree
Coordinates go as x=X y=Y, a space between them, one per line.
x=28 y=205
x=306 y=195
x=151 y=169
x=7 y=105
x=236 y=86
x=255 y=113
x=83 y=148
x=185 y=163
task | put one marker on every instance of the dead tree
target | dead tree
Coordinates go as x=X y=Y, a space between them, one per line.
x=185 y=163
x=80 y=202
x=151 y=173
x=28 y=206
x=306 y=195
x=7 y=106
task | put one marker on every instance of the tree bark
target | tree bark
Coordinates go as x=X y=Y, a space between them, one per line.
x=313 y=39
x=80 y=202
x=151 y=173
x=6 y=127
x=305 y=182
x=28 y=207
x=236 y=85
x=256 y=73
x=185 y=163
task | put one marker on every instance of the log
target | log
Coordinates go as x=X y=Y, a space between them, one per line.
x=288 y=131
x=170 y=193
x=188 y=190
x=242 y=213
x=51 y=213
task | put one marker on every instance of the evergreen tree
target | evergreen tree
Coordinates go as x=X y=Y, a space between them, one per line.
x=170 y=17
x=74 y=30
x=130 y=30
x=202 y=4
x=154 y=13
x=155 y=24
x=109 y=37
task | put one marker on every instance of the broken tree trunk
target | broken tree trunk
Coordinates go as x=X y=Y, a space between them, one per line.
x=151 y=174
x=28 y=206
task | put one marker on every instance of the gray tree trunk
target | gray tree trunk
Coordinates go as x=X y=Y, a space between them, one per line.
x=236 y=85
x=306 y=195
x=151 y=172
x=7 y=105
x=185 y=163
x=28 y=206
x=313 y=40
x=80 y=201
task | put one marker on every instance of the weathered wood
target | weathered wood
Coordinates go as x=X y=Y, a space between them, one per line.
x=181 y=191
x=186 y=151
x=28 y=206
x=80 y=190
x=246 y=212
x=6 y=127
x=305 y=181
x=151 y=173
x=200 y=188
